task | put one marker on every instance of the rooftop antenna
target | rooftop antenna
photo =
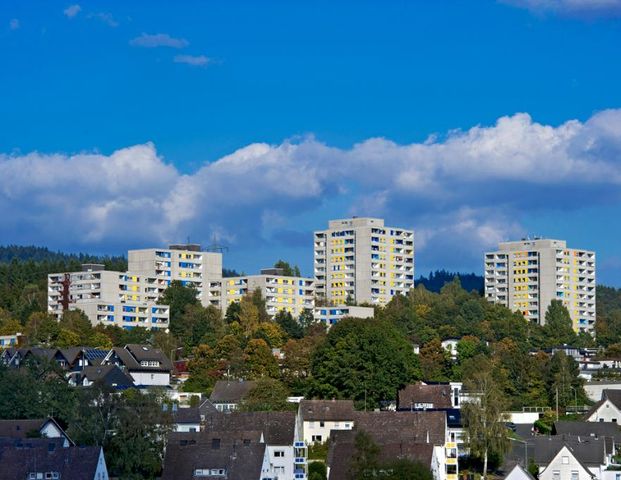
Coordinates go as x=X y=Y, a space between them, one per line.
x=215 y=246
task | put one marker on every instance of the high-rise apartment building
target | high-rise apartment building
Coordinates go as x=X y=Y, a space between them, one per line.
x=281 y=292
x=361 y=259
x=185 y=263
x=110 y=298
x=527 y=275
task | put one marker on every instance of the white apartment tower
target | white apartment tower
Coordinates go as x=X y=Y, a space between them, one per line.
x=281 y=292
x=361 y=259
x=107 y=297
x=185 y=263
x=527 y=275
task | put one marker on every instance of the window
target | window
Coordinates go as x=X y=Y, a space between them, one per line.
x=316 y=438
x=574 y=475
x=278 y=470
x=565 y=460
x=279 y=453
x=556 y=475
x=321 y=424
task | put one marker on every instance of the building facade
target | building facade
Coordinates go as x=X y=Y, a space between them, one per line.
x=363 y=260
x=281 y=292
x=331 y=315
x=527 y=275
x=108 y=297
x=185 y=263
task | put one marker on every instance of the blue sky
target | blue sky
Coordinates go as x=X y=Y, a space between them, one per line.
x=130 y=124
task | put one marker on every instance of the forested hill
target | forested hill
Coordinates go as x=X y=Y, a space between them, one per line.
x=43 y=254
x=436 y=280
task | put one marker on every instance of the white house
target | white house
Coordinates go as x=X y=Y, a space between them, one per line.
x=45 y=427
x=146 y=365
x=317 y=418
x=608 y=409
x=565 y=466
x=519 y=473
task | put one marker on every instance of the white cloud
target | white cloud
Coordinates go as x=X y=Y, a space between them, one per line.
x=104 y=17
x=194 y=60
x=582 y=8
x=158 y=40
x=14 y=24
x=461 y=193
x=72 y=10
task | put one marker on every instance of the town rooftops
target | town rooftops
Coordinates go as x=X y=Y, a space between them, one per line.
x=233 y=391
x=23 y=427
x=588 y=451
x=588 y=429
x=326 y=410
x=186 y=415
x=278 y=427
x=343 y=449
x=76 y=463
x=419 y=396
x=213 y=458
x=109 y=375
x=140 y=358
x=417 y=427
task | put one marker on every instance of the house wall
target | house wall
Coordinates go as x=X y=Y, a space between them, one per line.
x=607 y=412
x=51 y=431
x=148 y=378
x=564 y=463
x=311 y=429
x=281 y=467
x=102 y=470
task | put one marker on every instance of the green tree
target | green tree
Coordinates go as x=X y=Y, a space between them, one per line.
x=363 y=359
x=364 y=462
x=317 y=471
x=434 y=362
x=259 y=361
x=558 y=329
x=290 y=326
x=249 y=317
x=178 y=296
x=136 y=449
x=42 y=329
x=483 y=417
x=268 y=395
x=232 y=312
x=403 y=468
x=272 y=333
x=288 y=270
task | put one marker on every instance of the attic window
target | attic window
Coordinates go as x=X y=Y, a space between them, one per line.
x=565 y=460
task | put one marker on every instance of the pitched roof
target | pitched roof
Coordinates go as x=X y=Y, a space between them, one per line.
x=417 y=426
x=240 y=461
x=576 y=454
x=328 y=410
x=186 y=415
x=593 y=409
x=589 y=451
x=342 y=450
x=278 y=427
x=588 y=429
x=233 y=391
x=131 y=356
x=519 y=473
x=20 y=428
x=109 y=375
x=437 y=395
x=613 y=395
x=77 y=463
x=206 y=407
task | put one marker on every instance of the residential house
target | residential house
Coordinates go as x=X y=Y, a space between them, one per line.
x=214 y=455
x=589 y=429
x=108 y=375
x=228 y=394
x=519 y=473
x=317 y=418
x=418 y=435
x=285 y=450
x=7 y=341
x=36 y=459
x=25 y=428
x=608 y=409
x=186 y=419
x=147 y=366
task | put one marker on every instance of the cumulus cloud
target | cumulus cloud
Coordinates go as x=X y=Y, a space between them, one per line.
x=72 y=10
x=582 y=8
x=194 y=60
x=158 y=40
x=462 y=193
